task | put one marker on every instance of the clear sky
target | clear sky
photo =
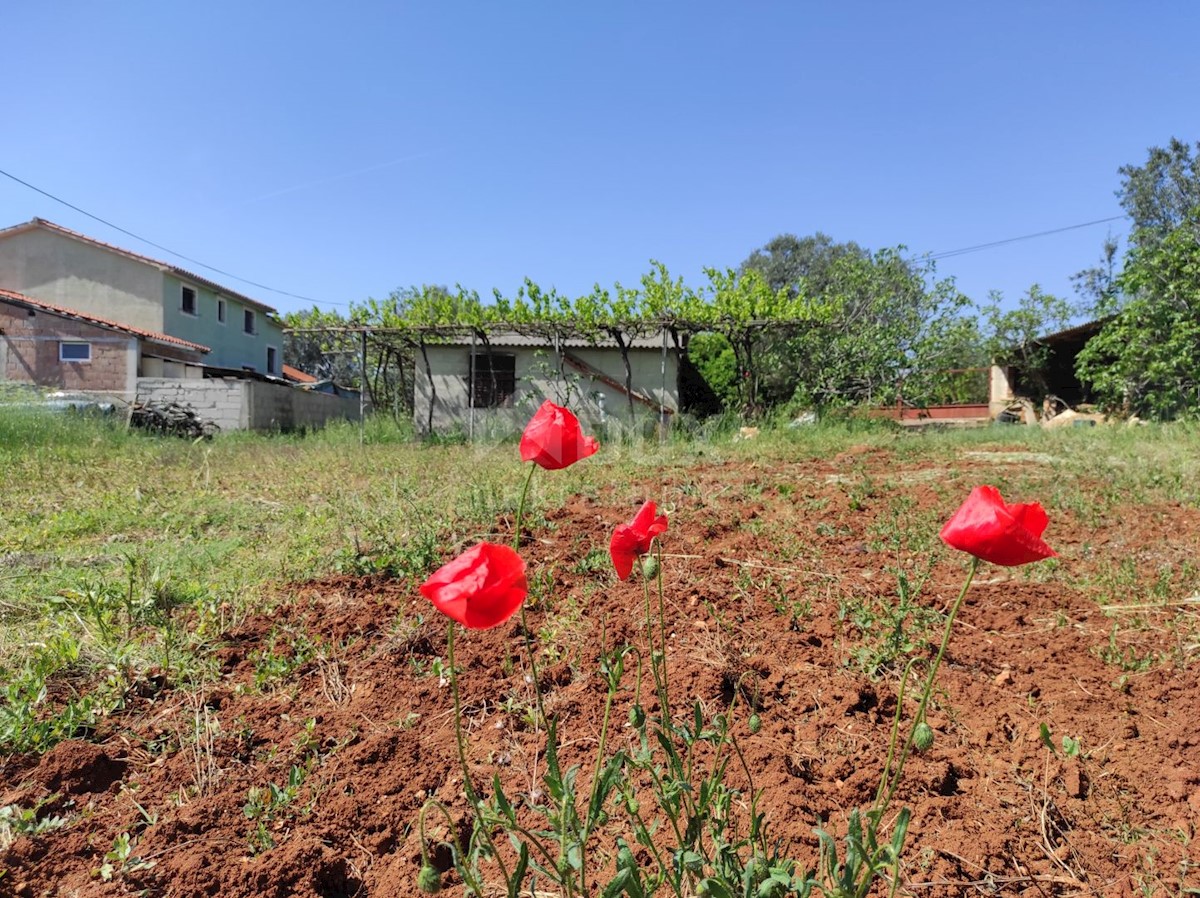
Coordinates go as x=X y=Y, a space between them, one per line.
x=343 y=150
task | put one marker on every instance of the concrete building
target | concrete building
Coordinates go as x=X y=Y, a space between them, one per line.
x=48 y=262
x=491 y=391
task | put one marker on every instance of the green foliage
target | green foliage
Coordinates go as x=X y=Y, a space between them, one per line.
x=1146 y=360
x=713 y=357
x=18 y=821
x=799 y=264
x=1161 y=194
x=880 y=323
x=1011 y=335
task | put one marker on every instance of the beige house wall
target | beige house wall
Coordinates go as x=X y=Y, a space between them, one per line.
x=600 y=406
x=73 y=274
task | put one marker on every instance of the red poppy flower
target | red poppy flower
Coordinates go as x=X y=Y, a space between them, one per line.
x=987 y=528
x=632 y=540
x=553 y=438
x=481 y=588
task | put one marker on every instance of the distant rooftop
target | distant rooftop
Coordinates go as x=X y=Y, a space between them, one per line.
x=29 y=302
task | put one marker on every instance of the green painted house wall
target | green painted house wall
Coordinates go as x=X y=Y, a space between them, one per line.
x=231 y=346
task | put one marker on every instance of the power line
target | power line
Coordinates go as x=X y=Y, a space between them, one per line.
x=172 y=252
x=946 y=254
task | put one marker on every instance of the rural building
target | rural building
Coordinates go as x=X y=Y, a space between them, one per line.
x=491 y=390
x=84 y=316
x=45 y=344
x=50 y=263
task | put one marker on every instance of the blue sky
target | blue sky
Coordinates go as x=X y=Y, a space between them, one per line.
x=340 y=151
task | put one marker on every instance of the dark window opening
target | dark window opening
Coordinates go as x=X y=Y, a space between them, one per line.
x=493 y=380
x=248 y=321
x=271 y=360
x=75 y=352
x=221 y=310
x=187 y=300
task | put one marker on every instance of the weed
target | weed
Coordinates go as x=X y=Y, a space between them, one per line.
x=18 y=821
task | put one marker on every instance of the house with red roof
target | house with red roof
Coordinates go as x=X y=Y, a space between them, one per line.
x=59 y=267
x=52 y=346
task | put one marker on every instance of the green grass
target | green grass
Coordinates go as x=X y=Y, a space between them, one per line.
x=121 y=551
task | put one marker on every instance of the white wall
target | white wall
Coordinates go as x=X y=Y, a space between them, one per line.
x=600 y=406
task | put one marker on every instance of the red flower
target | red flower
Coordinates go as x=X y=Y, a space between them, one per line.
x=632 y=540
x=553 y=438
x=992 y=531
x=481 y=588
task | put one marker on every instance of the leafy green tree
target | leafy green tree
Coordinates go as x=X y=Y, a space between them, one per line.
x=314 y=344
x=1160 y=195
x=1146 y=360
x=1011 y=335
x=787 y=261
x=882 y=322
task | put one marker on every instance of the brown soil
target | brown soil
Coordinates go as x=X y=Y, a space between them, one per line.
x=761 y=560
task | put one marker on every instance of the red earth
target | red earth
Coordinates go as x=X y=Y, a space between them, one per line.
x=776 y=574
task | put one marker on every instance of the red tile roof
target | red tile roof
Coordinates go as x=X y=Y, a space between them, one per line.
x=30 y=303
x=137 y=257
x=297 y=375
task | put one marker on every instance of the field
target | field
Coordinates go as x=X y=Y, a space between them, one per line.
x=219 y=678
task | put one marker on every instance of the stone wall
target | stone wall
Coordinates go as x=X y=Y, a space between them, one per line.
x=235 y=404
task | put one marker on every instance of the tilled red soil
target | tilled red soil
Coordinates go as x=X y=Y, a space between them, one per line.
x=767 y=570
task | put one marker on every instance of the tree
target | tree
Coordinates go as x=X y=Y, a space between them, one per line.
x=882 y=323
x=1160 y=195
x=1146 y=360
x=788 y=260
x=314 y=345
x=1011 y=336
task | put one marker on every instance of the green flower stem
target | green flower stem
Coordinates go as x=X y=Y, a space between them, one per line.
x=469 y=787
x=537 y=688
x=894 y=780
x=468 y=879
x=521 y=508
x=587 y=823
x=662 y=627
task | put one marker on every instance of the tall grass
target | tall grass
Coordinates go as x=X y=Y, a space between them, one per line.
x=107 y=537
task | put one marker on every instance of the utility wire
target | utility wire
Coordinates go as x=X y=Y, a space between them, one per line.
x=172 y=252
x=947 y=254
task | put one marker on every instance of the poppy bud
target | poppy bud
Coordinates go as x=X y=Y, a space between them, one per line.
x=637 y=716
x=922 y=736
x=650 y=567
x=429 y=880
x=754 y=723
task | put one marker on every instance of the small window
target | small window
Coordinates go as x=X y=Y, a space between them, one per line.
x=248 y=321
x=74 y=352
x=187 y=302
x=271 y=360
x=493 y=380
x=221 y=311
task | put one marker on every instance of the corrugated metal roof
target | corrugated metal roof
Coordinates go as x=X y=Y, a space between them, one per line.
x=1087 y=329
x=527 y=341
x=30 y=303
x=138 y=257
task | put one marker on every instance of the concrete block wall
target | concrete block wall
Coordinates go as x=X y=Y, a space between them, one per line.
x=282 y=407
x=235 y=404
x=222 y=400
